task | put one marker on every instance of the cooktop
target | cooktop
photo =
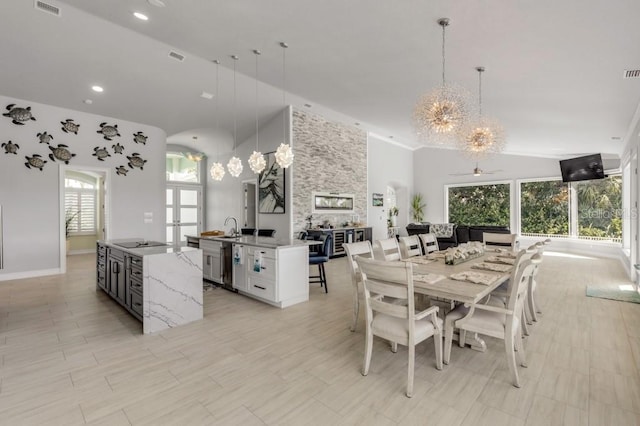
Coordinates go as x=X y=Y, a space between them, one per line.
x=140 y=244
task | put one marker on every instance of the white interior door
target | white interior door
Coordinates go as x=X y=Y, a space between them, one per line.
x=184 y=212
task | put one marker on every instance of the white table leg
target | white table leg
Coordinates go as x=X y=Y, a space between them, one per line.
x=474 y=341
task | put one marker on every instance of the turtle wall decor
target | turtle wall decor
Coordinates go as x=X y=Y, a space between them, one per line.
x=61 y=153
x=10 y=147
x=35 y=162
x=121 y=170
x=117 y=148
x=69 y=126
x=135 y=161
x=108 y=131
x=45 y=137
x=101 y=153
x=139 y=137
x=19 y=115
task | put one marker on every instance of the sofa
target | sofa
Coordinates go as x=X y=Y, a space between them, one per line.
x=461 y=233
x=446 y=237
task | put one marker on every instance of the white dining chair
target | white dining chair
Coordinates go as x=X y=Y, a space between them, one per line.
x=386 y=249
x=399 y=324
x=409 y=246
x=499 y=322
x=429 y=243
x=364 y=249
x=497 y=239
x=533 y=307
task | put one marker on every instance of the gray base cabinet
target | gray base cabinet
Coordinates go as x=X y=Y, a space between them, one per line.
x=119 y=274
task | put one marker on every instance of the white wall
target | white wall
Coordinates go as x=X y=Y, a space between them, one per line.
x=225 y=198
x=30 y=197
x=388 y=165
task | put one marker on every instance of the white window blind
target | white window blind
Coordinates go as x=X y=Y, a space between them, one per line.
x=81 y=202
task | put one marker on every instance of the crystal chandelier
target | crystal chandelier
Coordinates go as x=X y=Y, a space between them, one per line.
x=284 y=153
x=439 y=115
x=483 y=136
x=194 y=156
x=257 y=163
x=217 y=169
x=235 y=164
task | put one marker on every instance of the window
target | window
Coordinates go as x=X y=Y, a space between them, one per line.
x=544 y=208
x=487 y=204
x=587 y=210
x=80 y=202
x=181 y=169
x=600 y=208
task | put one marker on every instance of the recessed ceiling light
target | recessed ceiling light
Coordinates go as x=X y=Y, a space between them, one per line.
x=206 y=95
x=141 y=16
x=97 y=89
x=156 y=3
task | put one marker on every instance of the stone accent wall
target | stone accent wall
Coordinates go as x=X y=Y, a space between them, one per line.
x=329 y=157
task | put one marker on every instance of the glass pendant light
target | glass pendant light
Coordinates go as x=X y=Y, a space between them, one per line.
x=484 y=135
x=439 y=115
x=256 y=160
x=284 y=153
x=217 y=169
x=235 y=164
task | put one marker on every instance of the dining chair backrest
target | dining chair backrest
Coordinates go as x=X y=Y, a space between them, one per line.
x=393 y=280
x=361 y=248
x=518 y=287
x=429 y=243
x=496 y=239
x=386 y=249
x=409 y=246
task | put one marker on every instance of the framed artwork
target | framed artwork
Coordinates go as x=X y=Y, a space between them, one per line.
x=271 y=190
x=377 y=200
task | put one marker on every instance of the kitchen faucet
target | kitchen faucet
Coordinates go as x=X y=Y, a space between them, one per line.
x=236 y=232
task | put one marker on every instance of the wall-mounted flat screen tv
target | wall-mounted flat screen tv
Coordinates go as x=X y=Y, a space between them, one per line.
x=582 y=168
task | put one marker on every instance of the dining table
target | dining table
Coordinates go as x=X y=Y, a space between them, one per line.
x=432 y=277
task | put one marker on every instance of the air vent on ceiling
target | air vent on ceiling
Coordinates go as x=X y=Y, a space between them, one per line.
x=47 y=7
x=632 y=73
x=177 y=56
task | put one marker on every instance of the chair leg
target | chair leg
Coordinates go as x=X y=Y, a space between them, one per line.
x=356 y=307
x=462 y=338
x=437 y=340
x=523 y=321
x=412 y=361
x=368 y=346
x=394 y=347
x=522 y=355
x=511 y=359
x=448 y=339
x=323 y=277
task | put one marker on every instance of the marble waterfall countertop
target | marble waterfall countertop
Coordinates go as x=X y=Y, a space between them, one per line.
x=171 y=284
x=143 y=250
x=250 y=240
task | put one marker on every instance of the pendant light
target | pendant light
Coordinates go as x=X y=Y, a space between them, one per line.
x=284 y=153
x=217 y=169
x=256 y=160
x=235 y=164
x=484 y=135
x=439 y=115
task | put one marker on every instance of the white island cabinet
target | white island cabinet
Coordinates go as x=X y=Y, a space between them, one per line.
x=270 y=270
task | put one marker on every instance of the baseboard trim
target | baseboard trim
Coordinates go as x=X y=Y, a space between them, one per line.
x=29 y=274
x=83 y=251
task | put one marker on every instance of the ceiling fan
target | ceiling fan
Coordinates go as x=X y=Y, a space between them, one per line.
x=477 y=171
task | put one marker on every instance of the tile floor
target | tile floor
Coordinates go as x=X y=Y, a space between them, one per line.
x=70 y=356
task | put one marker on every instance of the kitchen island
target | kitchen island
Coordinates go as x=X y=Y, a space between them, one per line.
x=272 y=270
x=159 y=284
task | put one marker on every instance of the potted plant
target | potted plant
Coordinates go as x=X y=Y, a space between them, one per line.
x=417 y=208
x=69 y=216
x=393 y=216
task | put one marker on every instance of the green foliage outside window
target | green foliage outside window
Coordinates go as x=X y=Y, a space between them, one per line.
x=479 y=205
x=600 y=207
x=544 y=208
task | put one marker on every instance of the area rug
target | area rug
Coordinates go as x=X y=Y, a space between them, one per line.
x=614 y=294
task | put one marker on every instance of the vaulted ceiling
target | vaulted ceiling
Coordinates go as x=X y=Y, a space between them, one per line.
x=554 y=70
